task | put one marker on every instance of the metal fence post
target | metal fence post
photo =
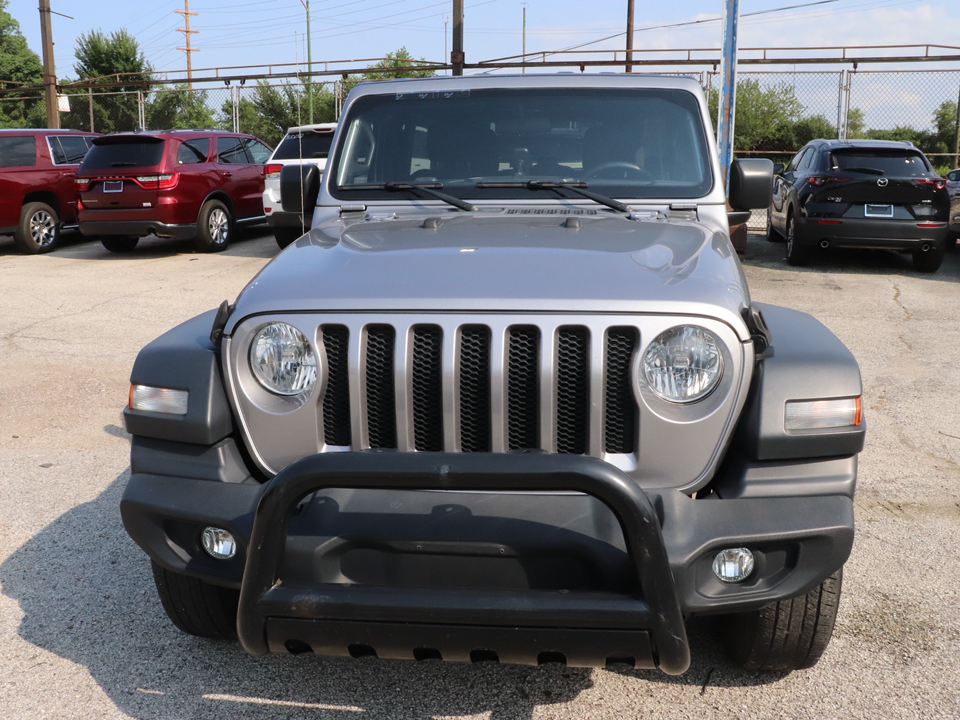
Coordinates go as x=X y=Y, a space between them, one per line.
x=841 y=109
x=90 y=100
x=141 y=111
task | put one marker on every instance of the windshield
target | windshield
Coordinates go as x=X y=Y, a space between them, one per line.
x=627 y=143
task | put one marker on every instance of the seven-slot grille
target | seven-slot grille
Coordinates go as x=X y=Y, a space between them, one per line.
x=479 y=388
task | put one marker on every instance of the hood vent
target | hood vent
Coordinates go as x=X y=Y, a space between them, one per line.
x=550 y=211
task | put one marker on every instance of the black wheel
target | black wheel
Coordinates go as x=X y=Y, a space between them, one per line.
x=120 y=244
x=39 y=229
x=285 y=235
x=787 y=635
x=952 y=240
x=797 y=254
x=196 y=607
x=214 y=227
x=931 y=260
x=772 y=234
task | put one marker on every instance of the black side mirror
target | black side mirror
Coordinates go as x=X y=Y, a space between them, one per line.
x=751 y=184
x=953 y=175
x=778 y=168
x=299 y=188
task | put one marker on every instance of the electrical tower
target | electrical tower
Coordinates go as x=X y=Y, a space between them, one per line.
x=187 y=32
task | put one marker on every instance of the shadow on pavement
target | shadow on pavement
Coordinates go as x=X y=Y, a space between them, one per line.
x=87 y=595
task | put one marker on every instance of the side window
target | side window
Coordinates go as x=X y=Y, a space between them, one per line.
x=258 y=151
x=18 y=151
x=797 y=159
x=73 y=148
x=192 y=152
x=808 y=162
x=230 y=151
x=56 y=151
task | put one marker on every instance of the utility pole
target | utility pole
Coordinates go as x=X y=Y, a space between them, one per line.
x=49 y=69
x=728 y=88
x=629 y=67
x=523 y=70
x=187 y=32
x=306 y=6
x=456 y=55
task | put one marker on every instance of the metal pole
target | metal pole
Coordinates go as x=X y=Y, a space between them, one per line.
x=90 y=99
x=523 y=70
x=629 y=65
x=956 y=150
x=306 y=4
x=457 y=56
x=728 y=89
x=49 y=68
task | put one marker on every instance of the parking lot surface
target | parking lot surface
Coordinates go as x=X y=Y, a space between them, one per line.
x=82 y=633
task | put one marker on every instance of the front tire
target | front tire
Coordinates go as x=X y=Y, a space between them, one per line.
x=39 y=229
x=285 y=236
x=197 y=607
x=214 y=227
x=787 y=635
x=797 y=254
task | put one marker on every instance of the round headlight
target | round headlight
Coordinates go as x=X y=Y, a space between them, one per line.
x=683 y=364
x=283 y=360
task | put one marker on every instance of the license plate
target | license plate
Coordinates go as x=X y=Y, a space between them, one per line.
x=112 y=186
x=878 y=210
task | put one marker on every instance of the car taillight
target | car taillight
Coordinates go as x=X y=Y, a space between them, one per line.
x=939 y=183
x=273 y=169
x=157 y=182
x=819 y=180
x=83 y=184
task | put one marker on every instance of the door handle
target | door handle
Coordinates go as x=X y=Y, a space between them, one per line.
x=226 y=174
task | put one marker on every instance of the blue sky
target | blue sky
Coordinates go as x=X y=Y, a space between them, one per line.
x=271 y=32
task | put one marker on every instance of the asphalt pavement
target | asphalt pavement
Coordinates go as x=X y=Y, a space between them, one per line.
x=82 y=633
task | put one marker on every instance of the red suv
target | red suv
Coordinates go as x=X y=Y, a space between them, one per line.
x=175 y=184
x=37 y=193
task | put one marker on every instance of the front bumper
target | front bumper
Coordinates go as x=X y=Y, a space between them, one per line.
x=522 y=554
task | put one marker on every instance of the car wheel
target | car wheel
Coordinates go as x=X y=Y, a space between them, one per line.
x=797 y=254
x=787 y=635
x=214 y=227
x=952 y=240
x=772 y=234
x=285 y=236
x=39 y=229
x=120 y=244
x=931 y=260
x=197 y=607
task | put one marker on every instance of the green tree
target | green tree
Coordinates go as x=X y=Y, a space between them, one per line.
x=856 y=125
x=114 y=59
x=273 y=108
x=18 y=65
x=397 y=64
x=179 y=108
x=765 y=116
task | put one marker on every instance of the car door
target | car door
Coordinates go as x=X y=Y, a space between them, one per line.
x=782 y=183
x=66 y=152
x=240 y=176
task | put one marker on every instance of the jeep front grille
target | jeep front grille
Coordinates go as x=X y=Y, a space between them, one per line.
x=470 y=387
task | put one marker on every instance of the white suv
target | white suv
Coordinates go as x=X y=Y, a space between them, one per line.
x=301 y=145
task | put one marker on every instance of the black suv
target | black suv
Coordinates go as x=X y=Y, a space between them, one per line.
x=860 y=193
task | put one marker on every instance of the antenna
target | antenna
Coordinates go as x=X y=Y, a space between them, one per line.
x=187 y=32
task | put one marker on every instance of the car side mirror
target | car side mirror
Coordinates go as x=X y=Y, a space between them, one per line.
x=299 y=188
x=953 y=175
x=778 y=168
x=751 y=184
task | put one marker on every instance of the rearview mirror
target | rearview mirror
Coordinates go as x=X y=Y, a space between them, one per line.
x=751 y=184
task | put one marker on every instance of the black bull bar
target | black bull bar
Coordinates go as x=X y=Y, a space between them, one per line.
x=268 y=605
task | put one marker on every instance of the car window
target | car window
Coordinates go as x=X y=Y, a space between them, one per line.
x=808 y=161
x=125 y=152
x=797 y=159
x=67 y=149
x=257 y=150
x=230 y=151
x=18 y=151
x=880 y=161
x=476 y=142
x=192 y=152
x=304 y=145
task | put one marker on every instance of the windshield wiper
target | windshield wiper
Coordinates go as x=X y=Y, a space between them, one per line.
x=428 y=188
x=578 y=187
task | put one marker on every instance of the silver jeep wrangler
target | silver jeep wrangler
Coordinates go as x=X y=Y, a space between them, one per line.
x=508 y=399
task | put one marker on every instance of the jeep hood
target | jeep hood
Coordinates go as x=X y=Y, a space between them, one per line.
x=486 y=262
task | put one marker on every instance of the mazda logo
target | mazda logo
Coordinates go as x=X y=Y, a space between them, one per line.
x=882 y=182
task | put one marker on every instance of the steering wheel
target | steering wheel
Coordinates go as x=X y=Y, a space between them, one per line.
x=628 y=168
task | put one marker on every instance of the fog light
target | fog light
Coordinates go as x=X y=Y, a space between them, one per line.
x=160 y=400
x=219 y=543
x=733 y=565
